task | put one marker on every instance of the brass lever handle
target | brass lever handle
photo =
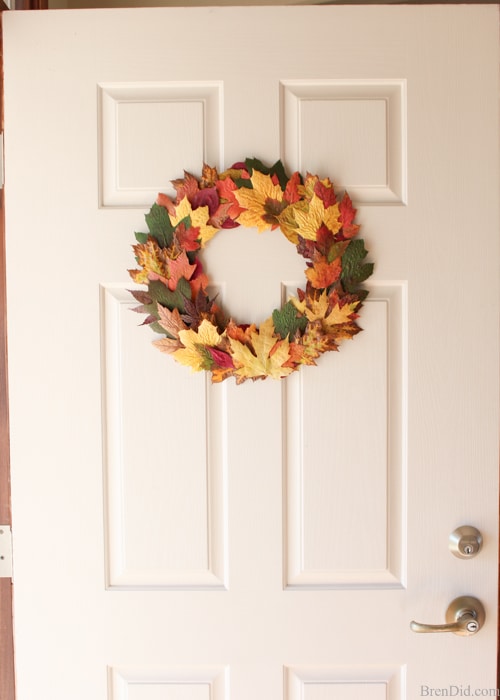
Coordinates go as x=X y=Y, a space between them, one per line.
x=465 y=616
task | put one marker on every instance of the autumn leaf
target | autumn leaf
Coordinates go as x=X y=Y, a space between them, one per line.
x=195 y=352
x=160 y=226
x=167 y=345
x=199 y=279
x=310 y=221
x=170 y=321
x=288 y=223
x=198 y=217
x=163 y=200
x=226 y=189
x=199 y=308
x=221 y=358
x=161 y=294
x=152 y=258
x=178 y=268
x=276 y=171
x=329 y=309
x=219 y=374
x=354 y=271
x=270 y=354
x=186 y=187
x=262 y=204
x=324 y=190
x=187 y=237
x=298 y=356
x=219 y=218
x=347 y=214
x=313 y=307
x=293 y=190
x=287 y=321
x=241 y=333
x=209 y=176
x=322 y=273
x=315 y=342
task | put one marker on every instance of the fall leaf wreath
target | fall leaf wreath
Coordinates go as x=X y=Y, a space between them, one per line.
x=196 y=330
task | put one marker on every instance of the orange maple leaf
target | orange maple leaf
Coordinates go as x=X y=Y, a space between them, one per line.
x=180 y=267
x=322 y=273
x=164 y=200
x=186 y=187
x=293 y=190
x=226 y=189
x=241 y=333
x=347 y=214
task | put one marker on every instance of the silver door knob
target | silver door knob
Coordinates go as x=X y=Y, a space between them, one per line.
x=465 y=542
x=465 y=616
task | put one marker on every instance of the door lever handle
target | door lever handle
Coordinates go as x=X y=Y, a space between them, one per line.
x=465 y=616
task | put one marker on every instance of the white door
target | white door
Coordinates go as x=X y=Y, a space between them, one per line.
x=175 y=540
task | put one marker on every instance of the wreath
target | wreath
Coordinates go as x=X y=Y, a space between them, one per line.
x=196 y=330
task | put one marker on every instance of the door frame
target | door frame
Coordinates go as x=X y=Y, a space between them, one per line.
x=7 y=677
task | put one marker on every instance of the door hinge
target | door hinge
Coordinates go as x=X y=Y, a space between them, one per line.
x=5 y=551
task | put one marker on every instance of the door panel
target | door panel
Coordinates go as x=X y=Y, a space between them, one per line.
x=179 y=540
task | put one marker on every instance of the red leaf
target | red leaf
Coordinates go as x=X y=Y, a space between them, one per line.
x=164 y=201
x=187 y=238
x=326 y=193
x=292 y=194
x=221 y=358
x=226 y=189
x=205 y=198
x=186 y=187
x=324 y=240
x=306 y=247
x=199 y=279
x=322 y=274
x=347 y=214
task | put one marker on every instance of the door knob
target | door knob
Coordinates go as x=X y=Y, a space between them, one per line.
x=464 y=616
x=465 y=542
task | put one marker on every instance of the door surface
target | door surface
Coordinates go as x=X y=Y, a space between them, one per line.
x=175 y=540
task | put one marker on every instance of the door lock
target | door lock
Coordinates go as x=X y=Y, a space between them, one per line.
x=465 y=616
x=465 y=542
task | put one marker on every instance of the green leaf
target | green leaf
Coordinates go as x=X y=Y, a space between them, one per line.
x=159 y=225
x=171 y=300
x=354 y=271
x=240 y=182
x=335 y=250
x=141 y=237
x=277 y=169
x=256 y=164
x=287 y=321
x=155 y=326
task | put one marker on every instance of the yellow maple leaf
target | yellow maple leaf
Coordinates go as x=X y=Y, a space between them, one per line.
x=318 y=309
x=270 y=354
x=194 y=353
x=256 y=202
x=199 y=219
x=310 y=221
x=288 y=223
x=313 y=308
x=152 y=259
x=340 y=314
